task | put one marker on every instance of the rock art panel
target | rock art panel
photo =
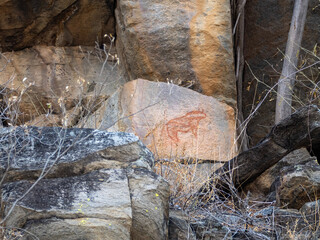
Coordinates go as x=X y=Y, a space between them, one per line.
x=174 y=122
x=187 y=123
x=186 y=42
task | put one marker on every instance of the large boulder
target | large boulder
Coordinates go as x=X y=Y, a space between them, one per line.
x=184 y=42
x=173 y=122
x=62 y=82
x=58 y=23
x=81 y=183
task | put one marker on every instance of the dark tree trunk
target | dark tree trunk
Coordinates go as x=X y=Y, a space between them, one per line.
x=238 y=7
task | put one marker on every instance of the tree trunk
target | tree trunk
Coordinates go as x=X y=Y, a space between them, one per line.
x=238 y=31
x=289 y=69
x=290 y=134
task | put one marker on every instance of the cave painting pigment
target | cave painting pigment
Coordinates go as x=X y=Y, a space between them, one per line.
x=187 y=123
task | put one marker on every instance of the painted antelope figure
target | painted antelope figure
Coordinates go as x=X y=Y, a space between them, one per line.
x=184 y=124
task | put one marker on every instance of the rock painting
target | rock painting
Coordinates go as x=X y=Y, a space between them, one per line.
x=184 y=124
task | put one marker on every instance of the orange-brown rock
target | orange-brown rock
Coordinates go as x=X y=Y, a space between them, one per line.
x=54 y=22
x=186 y=42
x=174 y=122
x=56 y=80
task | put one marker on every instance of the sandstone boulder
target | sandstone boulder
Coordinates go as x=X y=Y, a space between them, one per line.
x=55 y=23
x=174 y=122
x=63 y=82
x=185 y=42
x=81 y=183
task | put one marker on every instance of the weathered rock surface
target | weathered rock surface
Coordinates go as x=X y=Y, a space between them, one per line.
x=58 y=23
x=266 y=32
x=265 y=185
x=102 y=194
x=268 y=223
x=172 y=121
x=179 y=226
x=186 y=42
x=94 y=185
x=285 y=224
x=292 y=182
x=299 y=184
x=211 y=229
x=64 y=82
x=149 y=205
x=311 y=214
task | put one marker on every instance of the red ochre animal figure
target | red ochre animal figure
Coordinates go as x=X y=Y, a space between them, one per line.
x=184 y=124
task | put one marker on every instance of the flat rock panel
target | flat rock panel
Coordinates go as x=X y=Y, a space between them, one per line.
x=173 y=122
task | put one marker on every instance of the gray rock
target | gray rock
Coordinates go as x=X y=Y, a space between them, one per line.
x=68 y=151
x=298 y=184
x=311 y=212
x=100 y=195
x=179 y=226
x=149 y=195
x=100 y=185
x=263 y=187
x=292 y=182
x=57 y=229
x=210 y=229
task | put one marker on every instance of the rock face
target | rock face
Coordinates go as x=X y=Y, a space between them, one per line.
x=265 y=185
x=287 y=224
x=292 y=182
x=268 y=223
x=185 y=42
x=298 y=184
x=179 y=226
x=266 y=32
x=56 y=80
x=172 y=121
x=98 y=185
x=59 y=23
x=310 y=212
